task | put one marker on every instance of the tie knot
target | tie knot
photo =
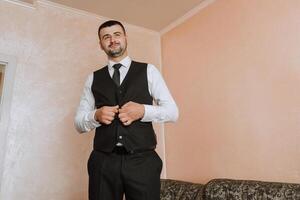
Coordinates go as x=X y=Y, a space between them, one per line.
x=117 y=66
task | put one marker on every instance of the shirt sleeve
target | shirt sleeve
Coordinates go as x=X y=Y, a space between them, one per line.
x=84 y=118
x=165 y=108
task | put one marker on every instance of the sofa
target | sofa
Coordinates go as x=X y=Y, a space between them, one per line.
x=219 y=189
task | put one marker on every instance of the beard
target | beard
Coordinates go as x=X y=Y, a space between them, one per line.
x=117 y=51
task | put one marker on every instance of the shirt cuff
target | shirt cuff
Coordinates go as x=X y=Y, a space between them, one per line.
x=150 y=113
x=91 y=118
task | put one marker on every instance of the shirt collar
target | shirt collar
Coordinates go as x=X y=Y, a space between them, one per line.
x=125 y=62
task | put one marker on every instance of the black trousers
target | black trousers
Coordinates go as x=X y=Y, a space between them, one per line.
x=137 y=175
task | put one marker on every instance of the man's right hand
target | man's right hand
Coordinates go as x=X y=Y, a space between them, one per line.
x=106 y=114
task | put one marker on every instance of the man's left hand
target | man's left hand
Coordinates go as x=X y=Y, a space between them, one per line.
x=131 y=112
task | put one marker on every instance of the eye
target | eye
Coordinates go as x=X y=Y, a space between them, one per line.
x=118 y=34
x=106 y=37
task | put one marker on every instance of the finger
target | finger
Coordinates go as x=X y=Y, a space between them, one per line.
x=122 y=110
x=127 y=123
x=106 y=119
x=122 y=115
x=109 y=114
x=107 y=122
x=113 y=109
x=114 y=113
x=123 y=119
x=109 y=118
x=116 y=109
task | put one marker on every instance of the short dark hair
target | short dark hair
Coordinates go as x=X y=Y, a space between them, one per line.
x=108 y=24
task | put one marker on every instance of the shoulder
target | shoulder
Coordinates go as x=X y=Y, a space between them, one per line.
x=139 y=64
x=148 y=66
x=152 y=69
x=101 y=70
x=89 y=80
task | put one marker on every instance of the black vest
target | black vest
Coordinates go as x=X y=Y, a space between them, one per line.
x=138 y=135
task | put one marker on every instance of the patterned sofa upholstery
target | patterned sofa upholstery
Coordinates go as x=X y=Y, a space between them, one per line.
x=218 y=189
x=228 y=189
x=180 y=190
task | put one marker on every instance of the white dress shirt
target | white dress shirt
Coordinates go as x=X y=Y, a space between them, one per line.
x=164 y=110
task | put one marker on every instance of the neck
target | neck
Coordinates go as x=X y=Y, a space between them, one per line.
x=118 y=59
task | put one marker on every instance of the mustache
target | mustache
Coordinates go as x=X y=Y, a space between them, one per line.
x=114 y=43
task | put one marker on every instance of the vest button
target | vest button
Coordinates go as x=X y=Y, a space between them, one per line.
x=120 y=137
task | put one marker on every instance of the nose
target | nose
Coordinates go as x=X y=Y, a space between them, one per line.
x=112 y=39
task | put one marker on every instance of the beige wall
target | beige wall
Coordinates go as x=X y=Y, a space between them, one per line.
x=55 y=50
x=234 y=68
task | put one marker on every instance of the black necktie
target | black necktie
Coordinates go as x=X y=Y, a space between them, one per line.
x=116 y=75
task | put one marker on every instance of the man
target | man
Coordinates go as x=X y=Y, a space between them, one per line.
x=117 y=101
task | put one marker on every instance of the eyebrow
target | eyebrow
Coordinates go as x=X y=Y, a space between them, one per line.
x=117 y=32
x=113 y=33
x=104 y=35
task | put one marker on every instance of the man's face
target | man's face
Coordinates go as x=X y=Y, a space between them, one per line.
x=113 y=41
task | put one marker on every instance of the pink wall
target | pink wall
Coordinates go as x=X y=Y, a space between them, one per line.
x=55 y=50
x=234 y=68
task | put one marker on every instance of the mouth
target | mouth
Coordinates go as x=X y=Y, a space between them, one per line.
x=114 y=45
